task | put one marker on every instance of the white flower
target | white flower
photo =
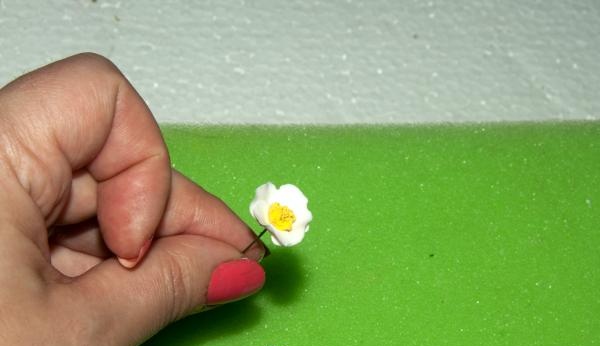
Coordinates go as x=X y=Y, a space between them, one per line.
x=283 y=212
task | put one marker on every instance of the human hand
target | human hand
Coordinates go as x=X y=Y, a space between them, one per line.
x=81 y=156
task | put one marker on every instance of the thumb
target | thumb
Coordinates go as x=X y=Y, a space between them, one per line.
x=180 y=275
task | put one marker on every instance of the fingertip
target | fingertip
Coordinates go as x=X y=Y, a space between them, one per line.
x=235 y=280
x=130 y=208
x=127 y=263
x=258 y=251
x=130 y=263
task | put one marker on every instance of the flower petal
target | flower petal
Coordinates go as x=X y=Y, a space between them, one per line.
x=290 y=195
x=259 y=205
x=260 y=210
x=303 y=215
x=275 y=241
x=291 y=238
x=287 y=195
x=265 y=191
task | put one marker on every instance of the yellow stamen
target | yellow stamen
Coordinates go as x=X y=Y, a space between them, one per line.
x=281 y=217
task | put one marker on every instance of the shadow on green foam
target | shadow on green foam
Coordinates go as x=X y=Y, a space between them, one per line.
x=284 y=284
x=285 y=277
x=203 y=327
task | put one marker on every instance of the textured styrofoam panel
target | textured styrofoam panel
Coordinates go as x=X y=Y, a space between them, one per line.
x=327 y=62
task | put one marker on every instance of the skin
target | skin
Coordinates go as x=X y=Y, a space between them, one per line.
x=85 y=178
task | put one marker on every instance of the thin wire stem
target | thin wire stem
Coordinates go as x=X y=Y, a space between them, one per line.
x=255 y=240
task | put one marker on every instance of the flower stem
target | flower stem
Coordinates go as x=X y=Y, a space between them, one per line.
x=255 y=240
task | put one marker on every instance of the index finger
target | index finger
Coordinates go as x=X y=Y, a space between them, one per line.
x=81 y=112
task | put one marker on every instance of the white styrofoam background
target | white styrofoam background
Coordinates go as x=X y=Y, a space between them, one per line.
x=327 y=61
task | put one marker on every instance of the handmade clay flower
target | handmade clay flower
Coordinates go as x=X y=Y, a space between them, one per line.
x=283 y=212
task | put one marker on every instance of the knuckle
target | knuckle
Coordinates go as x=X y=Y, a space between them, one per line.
x=179 y=291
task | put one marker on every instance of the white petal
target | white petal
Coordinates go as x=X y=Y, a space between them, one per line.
x=288 y=238
x=265 y=191
x=259 y=209
x=259 y=205
x=303 y=215
x=275 y=241
x=290 y=195
x=300 y=226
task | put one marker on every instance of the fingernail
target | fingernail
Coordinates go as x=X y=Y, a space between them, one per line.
x=234 y=280
x=203 y=308
x=258 y=252
x=132 y=262
x=266 y=253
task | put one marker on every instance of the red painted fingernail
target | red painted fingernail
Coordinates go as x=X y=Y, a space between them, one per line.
x=234 y=280
x=131 y=262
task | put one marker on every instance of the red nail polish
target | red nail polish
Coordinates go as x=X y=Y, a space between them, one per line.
x=234 y=280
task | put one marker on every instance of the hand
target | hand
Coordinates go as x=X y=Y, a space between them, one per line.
x=101 y=242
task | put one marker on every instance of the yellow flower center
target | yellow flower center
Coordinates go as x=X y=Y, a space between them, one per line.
x=281 y=217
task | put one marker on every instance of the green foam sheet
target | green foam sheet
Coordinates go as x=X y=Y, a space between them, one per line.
x=422 y=235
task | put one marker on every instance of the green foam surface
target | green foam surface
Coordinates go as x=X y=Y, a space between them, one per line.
x=424 y=235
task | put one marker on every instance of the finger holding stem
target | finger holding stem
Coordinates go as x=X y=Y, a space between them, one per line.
x=267 y=252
